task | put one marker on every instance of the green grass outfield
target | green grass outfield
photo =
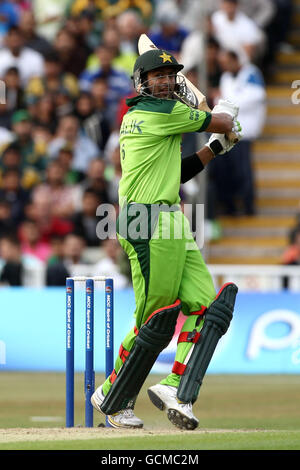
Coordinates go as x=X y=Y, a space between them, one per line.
x=236 y=412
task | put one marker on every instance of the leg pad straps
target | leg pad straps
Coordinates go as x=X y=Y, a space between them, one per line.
x=217 y=320
x=154 y=336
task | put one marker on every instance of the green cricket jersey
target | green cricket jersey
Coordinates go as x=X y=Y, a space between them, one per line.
x=150 y=148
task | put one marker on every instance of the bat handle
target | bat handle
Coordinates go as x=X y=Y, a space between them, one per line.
x=204 y=107
x=232 y=137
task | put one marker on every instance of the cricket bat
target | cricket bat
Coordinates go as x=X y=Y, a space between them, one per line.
x=194 y=97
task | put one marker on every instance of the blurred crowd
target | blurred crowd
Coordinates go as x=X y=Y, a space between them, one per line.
x=65 y=71
x=291 y=255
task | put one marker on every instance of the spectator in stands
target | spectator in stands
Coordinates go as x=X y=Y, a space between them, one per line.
x=42 y=136
x=93 y=121
x=44 y=112
x=55 y=79
x=130 y=26
x=79 y=27
x=49 y=225
x=64 y=102
x=99 y=92
x=261 y=12
x=189 y=12
x=169 y=35
x=60 y=196
x=50 y=16
x=68 y=132
x=14 y=92
x=33 y=40
x=291 y=255
x=31 y=241
x=233 y=177
x=85 y=221
x=9 y=18
x=237 y=32
x=6 y=137
x=274 y=18
x=65 y=159
x=32 y=160
x=67 y=48
x=277 y=33
x=22 y=5
x=119 y=84
x=109 y=265
x=95 y=180
x=122 y=60
x=192 y=50
x=57 y=249
x=78 y=6
x=213 y=70
x=246 y=84
x=28 y=62
x=10 y=158
x=89 y=27
x=12 y=192
x=8 y=225
x=11 y=260
x=56 y=274
x=73 y=248
x=282 y=22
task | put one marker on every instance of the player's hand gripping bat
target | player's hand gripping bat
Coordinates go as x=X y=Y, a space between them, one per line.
x=192 y=97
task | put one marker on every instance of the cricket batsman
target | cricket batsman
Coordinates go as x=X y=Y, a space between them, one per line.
x=169 y=274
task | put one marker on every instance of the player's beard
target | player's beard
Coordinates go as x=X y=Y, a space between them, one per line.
x=161 y=90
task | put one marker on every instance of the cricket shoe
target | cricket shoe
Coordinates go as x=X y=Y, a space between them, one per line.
x=180 y=414
x=122 y=419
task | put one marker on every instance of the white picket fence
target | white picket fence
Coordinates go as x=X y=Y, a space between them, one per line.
x=261 y=278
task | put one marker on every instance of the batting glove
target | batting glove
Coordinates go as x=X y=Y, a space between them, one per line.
x=237 y=129
x=220 y=144
x=226 y=106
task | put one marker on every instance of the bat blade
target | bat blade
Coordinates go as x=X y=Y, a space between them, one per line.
x=193 y=96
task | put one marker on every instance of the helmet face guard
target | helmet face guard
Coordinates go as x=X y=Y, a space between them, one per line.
x=158 y=58
x=173 y=86
x=179 y=91
x=149 y=61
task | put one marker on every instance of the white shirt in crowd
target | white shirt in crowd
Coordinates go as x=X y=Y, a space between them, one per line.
x=236 y=34
x=189 y=14
x=85 y=150
x=29 y=63
x=6 y=137
x=247 y=89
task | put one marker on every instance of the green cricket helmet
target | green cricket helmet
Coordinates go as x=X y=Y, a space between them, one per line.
x=151 y=60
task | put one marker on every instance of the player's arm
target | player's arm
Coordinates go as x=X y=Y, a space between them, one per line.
x=194 y=164
x=224 y=118
x=221 y=123
x=218 y=144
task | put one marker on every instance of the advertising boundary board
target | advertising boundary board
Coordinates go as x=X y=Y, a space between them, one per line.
x=264 y=335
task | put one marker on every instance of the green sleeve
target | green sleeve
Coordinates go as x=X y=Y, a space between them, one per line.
x=184 y=119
